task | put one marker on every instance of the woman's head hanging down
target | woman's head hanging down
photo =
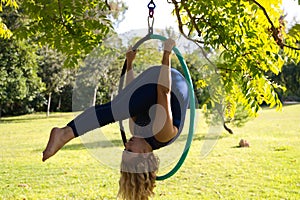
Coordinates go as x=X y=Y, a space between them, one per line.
x=155 y=103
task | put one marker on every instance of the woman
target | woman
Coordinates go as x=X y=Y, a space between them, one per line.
x=155 y=103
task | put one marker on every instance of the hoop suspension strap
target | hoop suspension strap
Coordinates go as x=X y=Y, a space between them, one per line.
x=121 y=83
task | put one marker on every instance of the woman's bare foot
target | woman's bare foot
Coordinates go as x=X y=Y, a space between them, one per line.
x=58 y=138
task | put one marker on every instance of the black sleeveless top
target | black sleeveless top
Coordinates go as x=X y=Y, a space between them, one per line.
x=179 y=104
x=144 y=129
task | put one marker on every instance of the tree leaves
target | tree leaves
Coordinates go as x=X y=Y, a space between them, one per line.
x=253 y=42
x=72 y=27
x=8 y=3
x=19 y=83
x=4 y=31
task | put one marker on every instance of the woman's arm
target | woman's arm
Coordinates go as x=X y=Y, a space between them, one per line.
x=163 y=123
x=130 y=56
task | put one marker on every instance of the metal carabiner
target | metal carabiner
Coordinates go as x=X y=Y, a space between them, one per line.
x=151 y=7
x=150 y=25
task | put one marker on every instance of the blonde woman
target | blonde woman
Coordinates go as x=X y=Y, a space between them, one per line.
x=155 y=103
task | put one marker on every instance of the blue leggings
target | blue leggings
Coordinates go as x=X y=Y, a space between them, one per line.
x=135 y=100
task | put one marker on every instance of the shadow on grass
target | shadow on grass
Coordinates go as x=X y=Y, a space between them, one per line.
x=119 y=142
x=27 y=118
x=201 y=137
x=238 y=147
x=21 y=120
x=94 y=145
x=290 y=103
x=90 y=145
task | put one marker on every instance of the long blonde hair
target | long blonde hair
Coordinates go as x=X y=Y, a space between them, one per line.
x=135 y=184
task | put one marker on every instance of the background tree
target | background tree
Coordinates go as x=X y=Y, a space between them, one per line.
x=290 y=79
x=72 y=28
x=20 y=87
x=98 y=76
x=52 y=72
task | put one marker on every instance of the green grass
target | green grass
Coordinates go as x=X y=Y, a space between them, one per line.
x=269 y=169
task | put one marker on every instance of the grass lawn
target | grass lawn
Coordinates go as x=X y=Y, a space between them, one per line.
x=269 y=169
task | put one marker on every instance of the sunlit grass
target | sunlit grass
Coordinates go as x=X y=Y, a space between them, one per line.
x=269 y=169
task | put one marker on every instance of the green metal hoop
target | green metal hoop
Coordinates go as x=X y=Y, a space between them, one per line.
x=192 y=111
x=192 y=104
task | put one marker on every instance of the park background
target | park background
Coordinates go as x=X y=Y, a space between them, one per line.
x=39 y=70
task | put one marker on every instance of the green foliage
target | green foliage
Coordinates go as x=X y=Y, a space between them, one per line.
x=51 y=69
x=98 y=75
x=289 y=78
x=52 y=72
x=20 y=87
x=294 y=32
x=69 y=38
x=4 y=31
x=72 y=27
x=293 y=37
x=11 y=3
x=252 y=42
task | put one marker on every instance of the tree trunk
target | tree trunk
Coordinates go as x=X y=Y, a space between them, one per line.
x=112 y=95
x=223 y=120
x=95 y=96
x=59 y=103
x=227 y=128
x=49 y=103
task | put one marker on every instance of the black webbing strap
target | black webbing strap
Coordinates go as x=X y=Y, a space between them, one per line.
x=121 y=83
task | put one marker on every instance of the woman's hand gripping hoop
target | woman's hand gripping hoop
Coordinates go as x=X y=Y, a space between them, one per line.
x=169 y=44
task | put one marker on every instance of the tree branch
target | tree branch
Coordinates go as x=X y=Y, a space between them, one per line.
x=107 y=4
x=60 y=12
x=69 y=28
x=177 y=12
x=197 y=42
x=294 y=48
x=220 y=112
x=275 y=31
x=192 y=20
x=180 y=24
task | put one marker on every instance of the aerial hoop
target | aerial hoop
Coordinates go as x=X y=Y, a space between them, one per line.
x=183 y=156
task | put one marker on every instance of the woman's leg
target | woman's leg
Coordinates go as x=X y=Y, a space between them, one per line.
x=81 y=124
x=58 y=138
x=137 y=97
x=127 y=104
